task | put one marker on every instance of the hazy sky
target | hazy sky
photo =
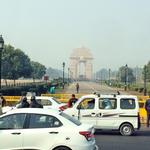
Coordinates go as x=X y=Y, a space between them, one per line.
x=116 y=31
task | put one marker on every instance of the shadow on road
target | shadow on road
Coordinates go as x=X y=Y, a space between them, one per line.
x=142 y=132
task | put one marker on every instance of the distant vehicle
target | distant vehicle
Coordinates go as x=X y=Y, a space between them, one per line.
x=47 y=102
x=35 y=128
x=114 y=112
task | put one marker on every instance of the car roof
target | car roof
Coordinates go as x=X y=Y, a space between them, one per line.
x=34 y=110
x=108 y=96
x=42 y=97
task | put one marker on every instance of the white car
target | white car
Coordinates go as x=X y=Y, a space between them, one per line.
x=108 y=112
x=47 y=102
x=36 y=128
x=50 y=102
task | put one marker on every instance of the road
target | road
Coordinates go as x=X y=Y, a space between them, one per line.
x=91 y=87
x=107 y=140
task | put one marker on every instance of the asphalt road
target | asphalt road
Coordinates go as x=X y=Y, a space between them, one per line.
x=91 y=87
x=112 y=140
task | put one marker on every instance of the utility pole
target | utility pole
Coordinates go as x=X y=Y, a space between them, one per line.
x=63 y=74
x=125 y=82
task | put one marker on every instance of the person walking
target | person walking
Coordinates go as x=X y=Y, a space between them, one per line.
x=77 y=87
x=72 y=100
x=147 y=107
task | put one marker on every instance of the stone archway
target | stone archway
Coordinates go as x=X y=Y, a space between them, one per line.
x=81 y=67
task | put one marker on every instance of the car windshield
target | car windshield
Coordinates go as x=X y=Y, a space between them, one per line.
x=75 y=121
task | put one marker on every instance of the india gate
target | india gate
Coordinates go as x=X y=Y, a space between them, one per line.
x=81 y=67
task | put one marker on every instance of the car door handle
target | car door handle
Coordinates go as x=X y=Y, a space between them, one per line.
x=93 y=114
x=99 y=115
x=16 y=133
x=53 y=132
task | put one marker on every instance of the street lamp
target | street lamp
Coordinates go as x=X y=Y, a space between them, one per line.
x=126 y=69
x=63 y=74
x=1 y=49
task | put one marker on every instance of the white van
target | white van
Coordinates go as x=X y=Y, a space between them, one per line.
x=114 y=112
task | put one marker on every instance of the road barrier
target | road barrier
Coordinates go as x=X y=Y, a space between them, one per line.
x=11 y=100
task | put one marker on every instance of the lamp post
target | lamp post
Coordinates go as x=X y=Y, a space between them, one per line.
x=1 y=49
x=63 y=74
x=145 y=77
x=126 y=69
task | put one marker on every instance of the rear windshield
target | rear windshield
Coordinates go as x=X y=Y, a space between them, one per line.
x=73 y=120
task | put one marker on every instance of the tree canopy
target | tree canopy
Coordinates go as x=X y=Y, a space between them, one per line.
x=126 y=74
x=38 y=70
x=16 y=64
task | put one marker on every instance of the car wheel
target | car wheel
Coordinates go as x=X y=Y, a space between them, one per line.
x=62 y=148
x=126 y=129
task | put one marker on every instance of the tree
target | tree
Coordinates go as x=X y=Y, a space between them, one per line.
x=54 y=73
x=15 y=64
x=38 y=70
x=6 y=63
x=126 y=74
x=148 y=71
x=102 y=74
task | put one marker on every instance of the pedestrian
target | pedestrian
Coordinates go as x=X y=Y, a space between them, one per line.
x=77 y=87
x=147 y=107
x=72 y=100
x=1 y=112
x=24 y=103
x=23 y=97
x=34 y=103
x=3 y=101
x=52 y=90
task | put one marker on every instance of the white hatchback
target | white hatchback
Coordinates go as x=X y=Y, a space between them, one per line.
x=35 y=128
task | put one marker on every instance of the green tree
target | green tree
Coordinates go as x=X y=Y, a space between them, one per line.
x=148 y=71
x=38 y=70
x=15 y=64
x=126 y=74
x=6 y=63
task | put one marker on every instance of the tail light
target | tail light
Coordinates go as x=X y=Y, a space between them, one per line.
x=87 y=134
x=62 y=108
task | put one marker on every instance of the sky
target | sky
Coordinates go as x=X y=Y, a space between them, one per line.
x=116 y=31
